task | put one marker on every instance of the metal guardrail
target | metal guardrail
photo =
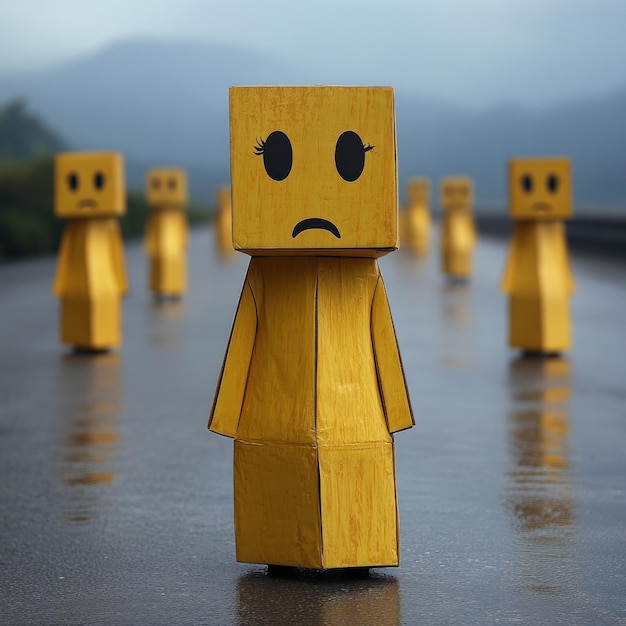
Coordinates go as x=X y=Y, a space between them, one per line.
x=602 y=235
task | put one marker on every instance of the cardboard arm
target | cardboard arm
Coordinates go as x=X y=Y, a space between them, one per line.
x=570 y=285
x=508 y=278
x=184 y=225
x=231 y=386
x=119 y=261
x=391 y=381
x=149 y=243
x=63 y=263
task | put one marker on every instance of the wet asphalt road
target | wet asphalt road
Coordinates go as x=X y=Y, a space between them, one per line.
x=116 y=502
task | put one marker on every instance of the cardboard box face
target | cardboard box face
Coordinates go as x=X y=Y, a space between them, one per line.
x=418 y=191
x=456 y=192
x=166 y=187
x=540 y=189
x=313 y=169
x=89 y=184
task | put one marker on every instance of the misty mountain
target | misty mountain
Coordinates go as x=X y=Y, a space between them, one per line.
x=166 y=102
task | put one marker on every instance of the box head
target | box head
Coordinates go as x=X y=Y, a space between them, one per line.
x=456 y=193
x=418 y=191
x=313 y=170
x=540 y=189
x=166 y=187
x=89 y=184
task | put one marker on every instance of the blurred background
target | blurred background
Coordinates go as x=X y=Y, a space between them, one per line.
x=476 y=83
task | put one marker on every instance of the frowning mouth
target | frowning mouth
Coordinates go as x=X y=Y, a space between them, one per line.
x=541 y=206
x=312 y=223
x=85 y=202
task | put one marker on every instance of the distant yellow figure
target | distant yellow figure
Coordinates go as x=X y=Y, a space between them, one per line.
x=458 y=229
x=165 y=239
x=91 y=273
x=538 y=275
x=312 y=386
x=418 y=222
x=224 y=223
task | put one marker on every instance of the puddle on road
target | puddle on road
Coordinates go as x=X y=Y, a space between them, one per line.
x=90 y=410
x=539 y=497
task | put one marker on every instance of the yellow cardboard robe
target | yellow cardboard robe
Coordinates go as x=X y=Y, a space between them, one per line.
x=91 y=273
x=224 y=223
x=312 y=386
x=458 y=228
x=166 y=234
x=538 y=277
x=418 y=220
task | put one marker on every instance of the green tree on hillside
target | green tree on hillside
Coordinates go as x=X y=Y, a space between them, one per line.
x=24 y=135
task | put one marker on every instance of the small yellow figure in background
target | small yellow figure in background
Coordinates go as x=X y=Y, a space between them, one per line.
x=224 y=223
x=91 y=272
x=165 y=239
x=312 y=386
x=458 y=229
x=418 y=222
x=538 y=276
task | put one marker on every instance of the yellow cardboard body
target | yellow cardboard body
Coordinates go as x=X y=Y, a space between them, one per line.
x=311 y=389
x=539 y=281
x=417 y=215
x=90 y=279
x=165 y=242
x=224 y=223
x=458 y=227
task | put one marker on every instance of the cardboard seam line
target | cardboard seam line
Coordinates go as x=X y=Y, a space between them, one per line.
x=256 y=328
x=376 y=366
x=361 y=445
x=316 y=446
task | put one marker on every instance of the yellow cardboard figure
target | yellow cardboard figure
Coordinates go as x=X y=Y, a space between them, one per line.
x=165 y=239
x=312 y=386
x=224 y=223
x=91 y=272
x=458 y=230
x=418 y=215
x=538 y=275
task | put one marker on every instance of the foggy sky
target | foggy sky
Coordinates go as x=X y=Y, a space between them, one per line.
x=473 y=52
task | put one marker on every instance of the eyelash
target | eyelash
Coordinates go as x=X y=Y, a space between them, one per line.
x=259 y=148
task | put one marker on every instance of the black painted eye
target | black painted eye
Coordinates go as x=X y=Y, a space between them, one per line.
x=72 y=181
x=156 y=183
x=277 y=155
x=98 y=180
x=527 y=183
x=171 y=183
x=350 y=155
x=552 y=183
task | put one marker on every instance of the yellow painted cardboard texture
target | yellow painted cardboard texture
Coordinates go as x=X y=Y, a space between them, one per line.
x=91 y=274
x=538 y=276
x=312 y=384
x=312 y=390
x=418 y=220
x=458 y=228
x=166 y=234
x=312 y=129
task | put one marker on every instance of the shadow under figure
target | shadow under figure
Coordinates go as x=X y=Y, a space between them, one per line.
x=312 y=597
